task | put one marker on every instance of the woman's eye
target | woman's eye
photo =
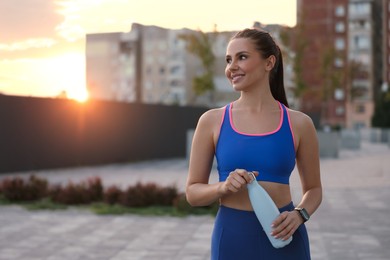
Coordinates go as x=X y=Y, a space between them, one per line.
x=243 y=57
x=228 y=61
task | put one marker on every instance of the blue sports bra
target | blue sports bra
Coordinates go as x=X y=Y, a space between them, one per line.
x=271 y=154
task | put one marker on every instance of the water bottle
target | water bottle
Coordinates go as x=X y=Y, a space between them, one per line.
x=265 y=210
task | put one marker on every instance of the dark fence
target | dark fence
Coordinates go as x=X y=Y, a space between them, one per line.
x=41 y=133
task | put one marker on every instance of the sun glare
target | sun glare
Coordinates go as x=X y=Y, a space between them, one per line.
x=71 y=71
x=80 y=95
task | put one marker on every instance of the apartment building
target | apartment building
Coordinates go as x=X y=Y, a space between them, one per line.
x=110 y=68
x=349 y=34
x=147 y=64
x=322 y=27
x=152 y=65
x=365 y=60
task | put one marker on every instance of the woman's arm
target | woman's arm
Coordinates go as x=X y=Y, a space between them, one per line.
x=198 y=190
x=308 y=164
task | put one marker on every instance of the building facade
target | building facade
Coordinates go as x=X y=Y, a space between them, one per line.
x=365 y=60
x=152 y=65
x=344 y=59
x=322 y=28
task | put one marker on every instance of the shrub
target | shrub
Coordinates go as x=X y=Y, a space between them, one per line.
x=18 y=189
x=83 y=193
x=144 y=195
x=113 y=195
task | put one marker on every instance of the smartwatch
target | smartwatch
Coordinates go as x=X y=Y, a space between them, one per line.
x=302 y=211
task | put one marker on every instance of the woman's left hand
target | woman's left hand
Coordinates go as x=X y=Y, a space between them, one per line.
x=286 y=224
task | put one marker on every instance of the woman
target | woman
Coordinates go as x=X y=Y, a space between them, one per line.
x=255 y=133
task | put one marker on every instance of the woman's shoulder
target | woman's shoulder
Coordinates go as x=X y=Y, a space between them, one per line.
x=300 y=120
x=213 y=114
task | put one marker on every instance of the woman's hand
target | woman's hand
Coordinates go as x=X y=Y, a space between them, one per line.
x=286 y=224
x=237 y=180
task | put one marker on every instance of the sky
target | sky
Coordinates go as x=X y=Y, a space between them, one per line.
x=42 y=42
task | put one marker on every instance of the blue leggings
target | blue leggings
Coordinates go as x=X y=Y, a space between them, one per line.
x=238 y=235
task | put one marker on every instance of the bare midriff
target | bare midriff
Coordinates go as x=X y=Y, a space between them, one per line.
x=280 y=194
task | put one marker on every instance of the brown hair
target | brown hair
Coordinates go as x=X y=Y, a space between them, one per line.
x=266 y=45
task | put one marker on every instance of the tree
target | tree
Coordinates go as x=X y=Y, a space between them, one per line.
x=201 y=45
x=381 y=117
x=356 y=71
x=295 y=40
x=332 y=78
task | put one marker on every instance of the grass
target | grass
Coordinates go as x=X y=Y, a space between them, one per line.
x=106 y=209
x=43 y=204
x=101 y=208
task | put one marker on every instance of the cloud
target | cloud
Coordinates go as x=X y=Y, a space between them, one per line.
x=92 y=16
x=23 y=19
x=27 y=44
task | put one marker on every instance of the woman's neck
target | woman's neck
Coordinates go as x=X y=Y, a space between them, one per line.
x=258 y=100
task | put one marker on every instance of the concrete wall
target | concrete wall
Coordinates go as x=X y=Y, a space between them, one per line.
x=38 y=133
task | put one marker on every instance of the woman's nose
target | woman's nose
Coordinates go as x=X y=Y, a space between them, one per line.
x=233 y=66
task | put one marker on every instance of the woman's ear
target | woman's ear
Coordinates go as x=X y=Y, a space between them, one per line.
x=270 y=63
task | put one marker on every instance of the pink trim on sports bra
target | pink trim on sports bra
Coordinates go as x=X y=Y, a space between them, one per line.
x=268 y=133
x=291 y=129
x=223 y=117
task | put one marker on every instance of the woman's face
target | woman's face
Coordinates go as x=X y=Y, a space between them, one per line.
x=245 y=68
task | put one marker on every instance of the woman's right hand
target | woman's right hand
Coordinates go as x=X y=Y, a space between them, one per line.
x=237 y=180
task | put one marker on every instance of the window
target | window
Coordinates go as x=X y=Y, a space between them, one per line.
x=340 y=110
x=361 y=42
x=360 y=109
x=339 y=44
x=175 y=70
x=339 y=11
x=340 y=27
x=360 y=8
x=339 y=94
x=338 y=63
x=174 y=83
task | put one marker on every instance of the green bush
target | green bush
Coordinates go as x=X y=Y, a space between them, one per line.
x=17 y=189
x=113 y=195
x=144 y=195
x=145 y=199
x=76 y=194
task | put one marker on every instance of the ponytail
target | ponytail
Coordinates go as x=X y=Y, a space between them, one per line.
x=276 y=80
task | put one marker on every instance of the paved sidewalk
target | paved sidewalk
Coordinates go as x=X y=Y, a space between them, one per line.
x=352 y=223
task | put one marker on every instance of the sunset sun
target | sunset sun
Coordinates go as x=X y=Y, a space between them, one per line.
x=70 y=70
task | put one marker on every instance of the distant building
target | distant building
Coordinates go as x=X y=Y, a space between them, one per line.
x=324 y=28
x=152 y=65
x=110 y=70
x=348 y=35
x=365 y=60
x=149 y=64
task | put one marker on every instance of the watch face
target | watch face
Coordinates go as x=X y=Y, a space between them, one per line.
x=304 y=214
